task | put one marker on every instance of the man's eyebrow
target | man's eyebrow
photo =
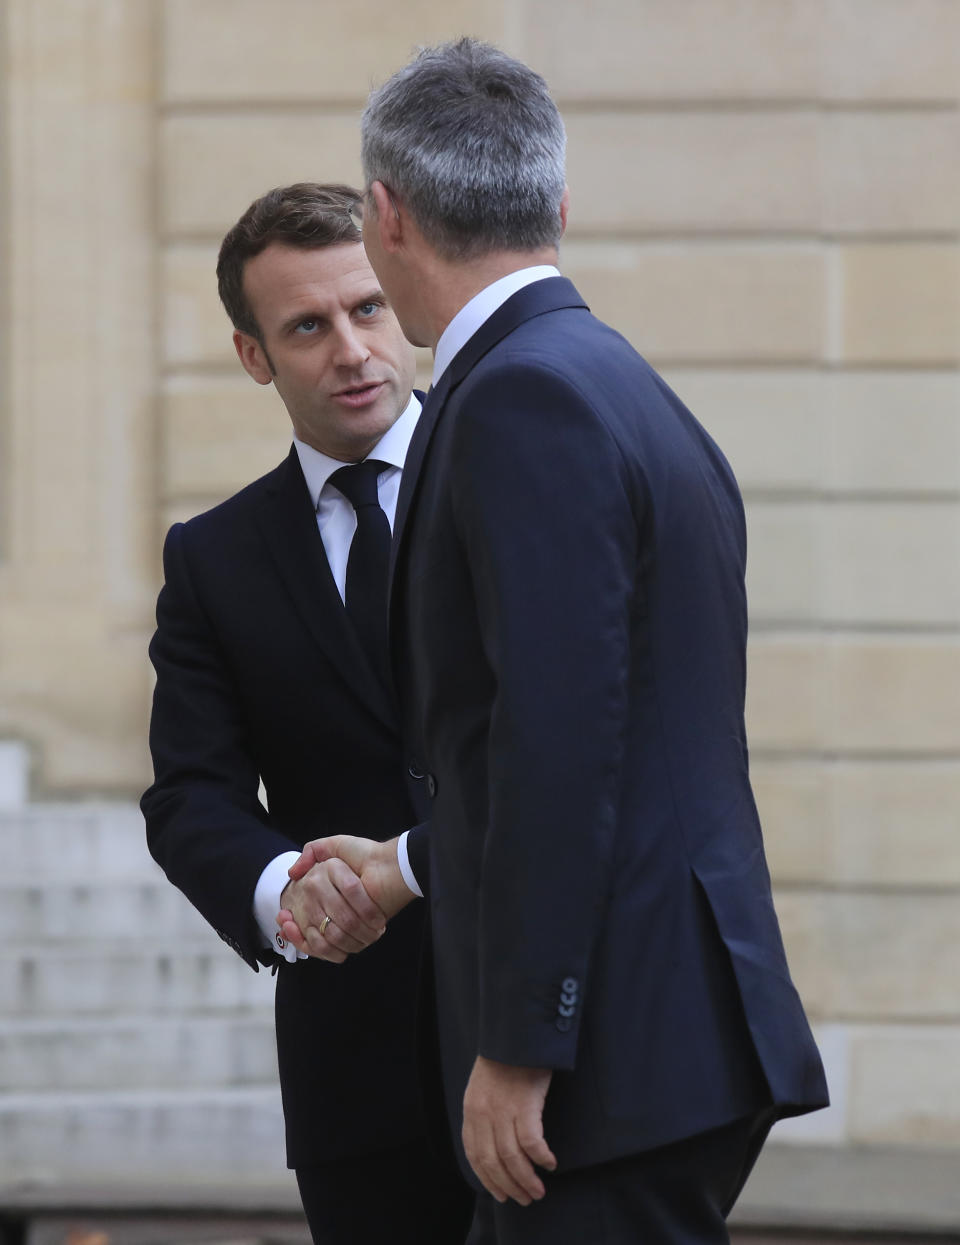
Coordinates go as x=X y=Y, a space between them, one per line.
x=372 y=296
x=289 y=325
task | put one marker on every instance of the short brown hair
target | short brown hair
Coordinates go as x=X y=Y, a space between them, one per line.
x=306 y=214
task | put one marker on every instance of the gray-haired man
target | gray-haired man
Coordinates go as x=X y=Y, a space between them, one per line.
x=569 y=628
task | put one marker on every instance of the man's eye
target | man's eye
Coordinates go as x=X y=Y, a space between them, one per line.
x=368 y=309
x=306 y=326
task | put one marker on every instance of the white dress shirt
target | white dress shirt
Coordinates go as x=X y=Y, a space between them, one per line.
x=478 y=311
x=337 y=523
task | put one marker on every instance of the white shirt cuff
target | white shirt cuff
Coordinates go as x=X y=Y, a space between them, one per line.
x=266 y=905
x=403 y=860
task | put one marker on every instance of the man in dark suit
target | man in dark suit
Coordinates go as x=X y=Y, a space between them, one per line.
x=263 y=674
x=569 y=629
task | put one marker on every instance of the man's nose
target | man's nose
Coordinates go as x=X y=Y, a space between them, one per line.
x=350 y=348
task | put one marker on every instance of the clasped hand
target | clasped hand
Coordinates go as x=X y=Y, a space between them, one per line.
x=355 y=882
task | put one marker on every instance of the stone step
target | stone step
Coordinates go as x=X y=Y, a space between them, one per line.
x=38 y=913
x=100 y=979
x=204 y=1052
x=871 y=1195
x=279 y=1224
x=14 y=773
x=74 y=843
x=172 y=1137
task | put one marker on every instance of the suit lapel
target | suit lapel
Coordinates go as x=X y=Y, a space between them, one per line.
x=433 y=404
x=535 y=299
x=289 y=527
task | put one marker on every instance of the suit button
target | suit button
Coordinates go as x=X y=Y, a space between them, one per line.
x=566 y=1010
x=570 y=985
x=568 y=1000
x=563 y=1024
x=431 y=786
x=414 y=770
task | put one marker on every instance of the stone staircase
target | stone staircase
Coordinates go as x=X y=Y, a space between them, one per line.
x=138 y=1069
x=136 y=1049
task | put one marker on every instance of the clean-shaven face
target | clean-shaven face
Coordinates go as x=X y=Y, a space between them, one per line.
x=331 y=345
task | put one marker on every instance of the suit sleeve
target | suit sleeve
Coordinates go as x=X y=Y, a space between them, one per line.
x=205 y=824
x=551 y=536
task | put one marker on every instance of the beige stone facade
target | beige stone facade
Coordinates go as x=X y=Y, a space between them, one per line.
x=765 y=200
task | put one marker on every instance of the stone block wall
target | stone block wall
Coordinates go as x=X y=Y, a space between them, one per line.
x=765 y=200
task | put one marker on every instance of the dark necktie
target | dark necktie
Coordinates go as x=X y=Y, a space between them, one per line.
x=365 y=594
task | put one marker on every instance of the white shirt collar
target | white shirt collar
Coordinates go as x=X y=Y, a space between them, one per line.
x=391 y=449
x=479 y=309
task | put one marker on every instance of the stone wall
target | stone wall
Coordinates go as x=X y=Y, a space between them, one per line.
x=765 y=200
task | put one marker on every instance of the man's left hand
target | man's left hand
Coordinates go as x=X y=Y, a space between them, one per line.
x=503 y=1129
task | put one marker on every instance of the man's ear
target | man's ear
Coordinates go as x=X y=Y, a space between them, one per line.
x=253 y=357
x=387 y=220
x=564 y=208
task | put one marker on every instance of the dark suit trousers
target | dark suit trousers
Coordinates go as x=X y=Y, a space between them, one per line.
x=675 y=1195
x=402 y=1196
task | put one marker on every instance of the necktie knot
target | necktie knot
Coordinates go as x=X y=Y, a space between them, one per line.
x=358 y=482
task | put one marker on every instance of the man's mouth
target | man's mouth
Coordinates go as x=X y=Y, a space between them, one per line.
x=359 y=395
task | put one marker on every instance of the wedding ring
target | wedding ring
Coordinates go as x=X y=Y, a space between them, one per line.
x=323 y=925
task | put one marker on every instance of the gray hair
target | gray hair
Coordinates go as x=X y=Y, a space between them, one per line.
x=471 y=142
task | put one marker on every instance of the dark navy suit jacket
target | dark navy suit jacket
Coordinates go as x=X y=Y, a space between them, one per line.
x=259 y=674
x=569 y=628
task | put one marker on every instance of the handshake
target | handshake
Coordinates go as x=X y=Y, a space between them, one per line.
x=341 y=893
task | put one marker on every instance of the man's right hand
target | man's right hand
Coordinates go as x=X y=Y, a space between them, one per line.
x=329 y=888
x=372 y=866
